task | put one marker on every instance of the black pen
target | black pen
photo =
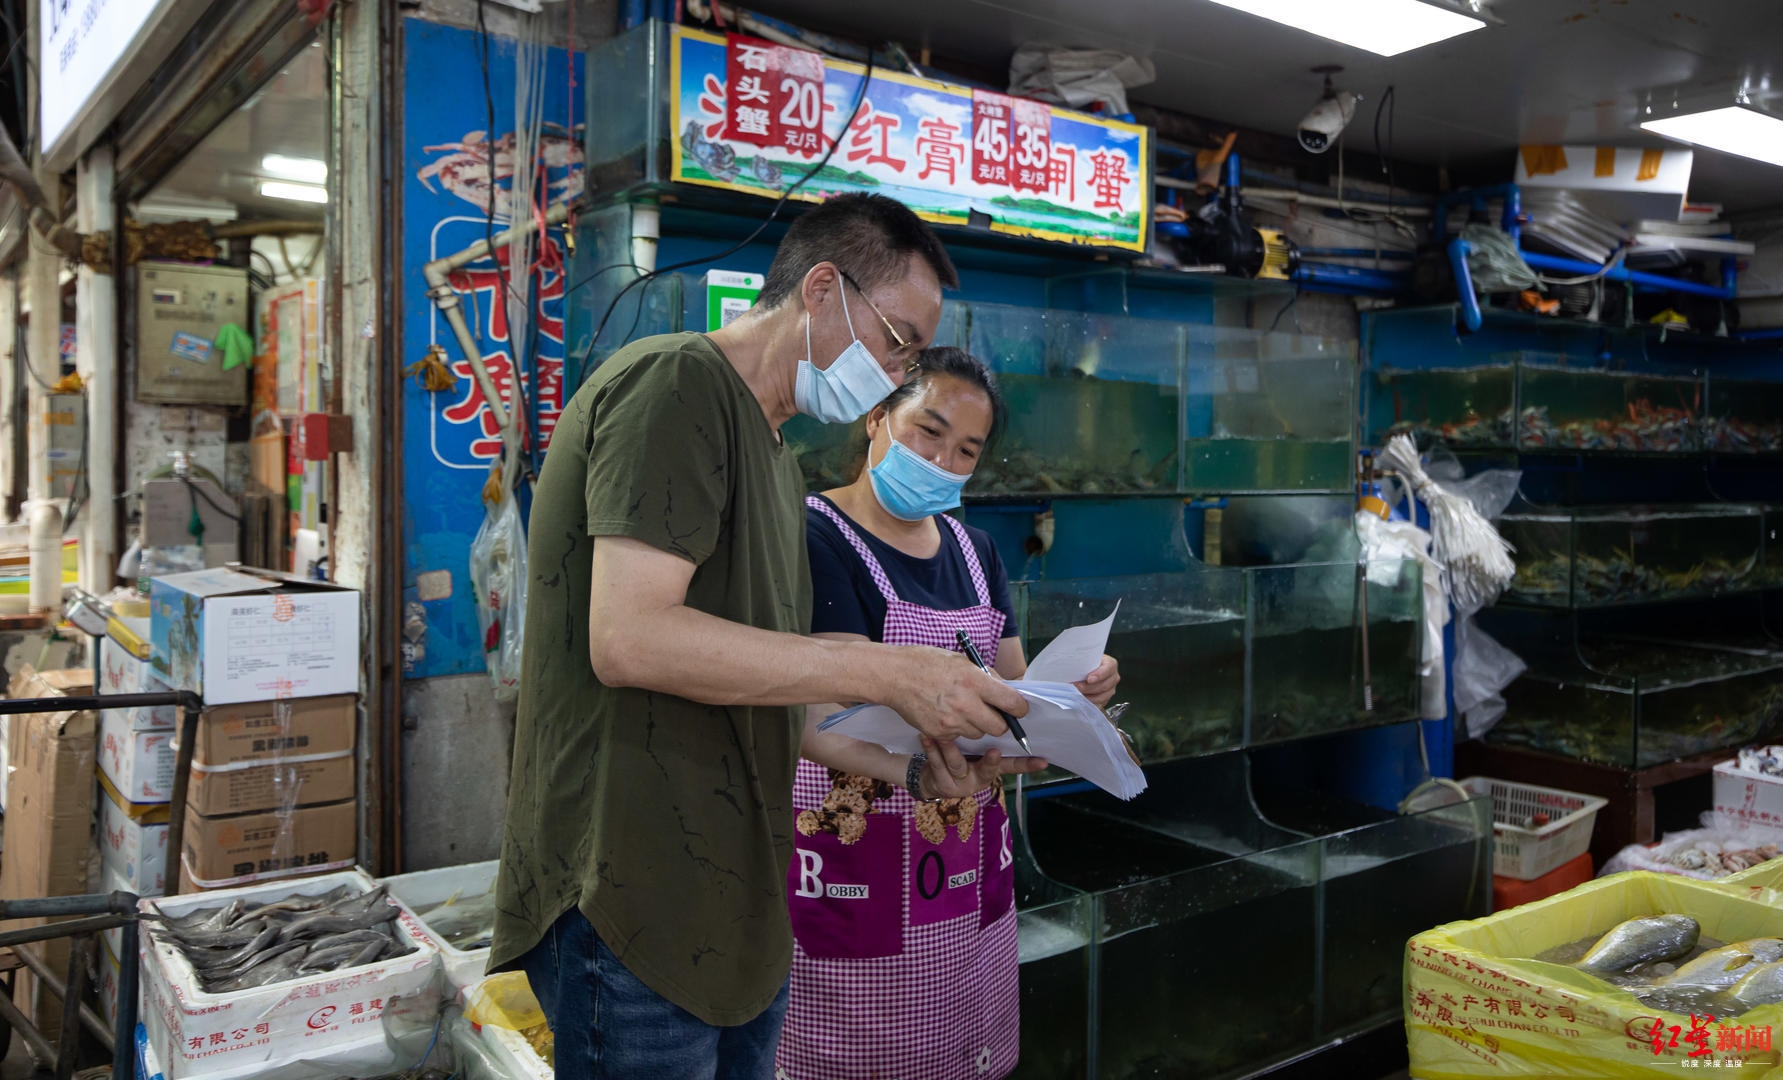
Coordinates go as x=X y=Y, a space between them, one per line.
x=971 y=652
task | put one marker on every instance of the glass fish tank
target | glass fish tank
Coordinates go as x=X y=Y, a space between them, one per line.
x=1191 y=940
x=1610 y=555
x=1462 y=408
x=1328 y=642
x=1267 y=412
x=1744 y=416
x=1091 y=403
x=1634 y=703
x=1385 y=877
x=832 y=455
x=1564 y=408
x=1770 y=572
x=1179 y=638
x=1055 y=925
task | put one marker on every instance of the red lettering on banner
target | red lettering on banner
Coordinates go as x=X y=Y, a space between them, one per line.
x=940 y=147
x=1030 y=138
x=798 y=106
x=751 y=67
x=991 y=149
x=1109 y=180
x=870 y=138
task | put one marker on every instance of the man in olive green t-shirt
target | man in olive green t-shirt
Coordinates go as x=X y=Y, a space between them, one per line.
x=643 y=869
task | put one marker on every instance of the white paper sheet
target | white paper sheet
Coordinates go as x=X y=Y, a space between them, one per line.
x=1074 y=654
x=1062 y=726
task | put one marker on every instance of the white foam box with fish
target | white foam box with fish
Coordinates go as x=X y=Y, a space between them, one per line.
x=1745 y=799
x=132 y=852
x=333 y=1017
x=425 y=889
x=1477 y=1005
x=230 y=636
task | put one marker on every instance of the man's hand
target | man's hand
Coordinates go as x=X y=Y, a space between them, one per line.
x=1099 y=687
x=941 y=694
x=939 y=781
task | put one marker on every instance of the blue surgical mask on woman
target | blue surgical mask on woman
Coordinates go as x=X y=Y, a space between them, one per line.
x=911 y=488
x=843 y=392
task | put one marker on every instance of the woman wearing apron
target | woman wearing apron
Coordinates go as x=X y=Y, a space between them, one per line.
x=901 y=888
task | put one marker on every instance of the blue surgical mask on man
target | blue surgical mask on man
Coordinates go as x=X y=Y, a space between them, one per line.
x=911 y=488
x=843 y=392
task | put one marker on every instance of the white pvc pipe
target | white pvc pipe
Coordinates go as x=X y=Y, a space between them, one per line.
x=43 y=351
x=96 y=357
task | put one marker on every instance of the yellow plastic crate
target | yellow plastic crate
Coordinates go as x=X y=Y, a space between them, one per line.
x=1476 y=1008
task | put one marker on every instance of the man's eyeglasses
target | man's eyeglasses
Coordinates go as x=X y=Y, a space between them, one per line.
x=904 y=352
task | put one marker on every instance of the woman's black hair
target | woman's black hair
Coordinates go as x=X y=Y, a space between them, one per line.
x=936 y=360
x=957 y=362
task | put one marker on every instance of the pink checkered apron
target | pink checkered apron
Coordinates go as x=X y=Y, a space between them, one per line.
x=904 y=949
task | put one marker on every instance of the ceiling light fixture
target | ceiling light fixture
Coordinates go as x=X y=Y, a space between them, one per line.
x=308 y=170
x=1732 y=129
x=1382 y=27
x=278 y=189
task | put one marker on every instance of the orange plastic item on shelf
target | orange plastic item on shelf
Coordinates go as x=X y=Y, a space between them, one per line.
x=1510 y=893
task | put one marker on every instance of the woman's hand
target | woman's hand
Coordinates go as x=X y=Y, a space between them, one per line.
x=1101 y=684
x=987 y=771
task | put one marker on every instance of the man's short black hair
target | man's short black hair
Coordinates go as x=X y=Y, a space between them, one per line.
x=870 y=236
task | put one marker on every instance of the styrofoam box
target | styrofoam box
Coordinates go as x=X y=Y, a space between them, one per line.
x=425 y=888
x=107 y=983
x=1746 y=799
x=259 y=1031
x=120 y=672
x=134 y=855
x=110 y=881
x=139 y=763
x=516 y=1056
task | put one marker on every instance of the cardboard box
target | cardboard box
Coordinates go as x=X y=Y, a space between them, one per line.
x=234 y=637
x=324 y=1025
x=244 y=848
x=49 y=817
x=250 y=786
x=270 y=730
x=138 y=763
x=133 y=852
x=123 y=672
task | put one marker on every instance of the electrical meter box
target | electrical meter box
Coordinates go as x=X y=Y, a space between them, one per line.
x=179 y=311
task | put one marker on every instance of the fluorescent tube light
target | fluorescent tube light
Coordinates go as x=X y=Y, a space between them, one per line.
x=278 y=189
x=308 y=170
x=1383 y=27
x=1733 y=129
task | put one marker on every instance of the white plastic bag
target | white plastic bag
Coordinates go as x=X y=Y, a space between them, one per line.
x=498 y=573
x=1709 y=843
x=1384 y=542
x=1077 y=77
x=1483 y=668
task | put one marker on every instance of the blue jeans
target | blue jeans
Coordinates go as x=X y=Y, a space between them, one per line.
x=609 y=1026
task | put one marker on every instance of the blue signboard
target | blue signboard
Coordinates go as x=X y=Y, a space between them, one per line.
x=449 y=438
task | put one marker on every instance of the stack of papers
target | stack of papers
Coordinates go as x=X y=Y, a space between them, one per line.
x=1062 y=725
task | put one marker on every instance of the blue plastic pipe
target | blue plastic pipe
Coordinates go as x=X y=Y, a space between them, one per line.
x=1770 y=334
x=1354 y=277
x=1357 y=253
x=1459 y=249
x=631 y=14
x=1622 y=273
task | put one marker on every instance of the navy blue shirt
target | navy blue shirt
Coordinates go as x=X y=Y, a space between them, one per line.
x=846 y=601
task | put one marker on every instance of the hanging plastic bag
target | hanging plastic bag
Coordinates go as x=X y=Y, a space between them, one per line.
x=498 y=573
x=1483 y=668
x=1384 y=543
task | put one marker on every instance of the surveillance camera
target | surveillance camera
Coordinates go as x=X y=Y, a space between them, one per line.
x=1326 y=120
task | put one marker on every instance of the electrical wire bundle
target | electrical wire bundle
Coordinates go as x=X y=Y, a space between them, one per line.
x=1476 y=560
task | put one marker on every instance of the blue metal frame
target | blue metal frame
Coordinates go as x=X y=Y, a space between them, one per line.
x=1511 y=222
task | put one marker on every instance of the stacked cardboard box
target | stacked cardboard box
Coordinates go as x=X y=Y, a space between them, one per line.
x=135 y=768
x=276 y=659
x=49 y=818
